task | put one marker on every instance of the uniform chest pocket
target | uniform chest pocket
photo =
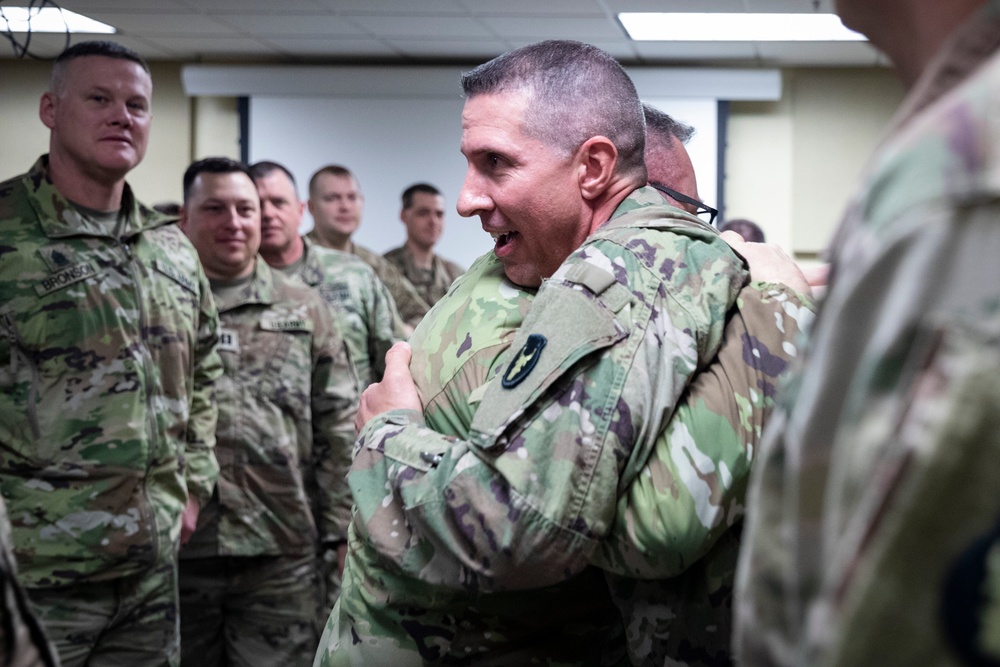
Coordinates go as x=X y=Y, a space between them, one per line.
x=567 y=326
x=279 y=363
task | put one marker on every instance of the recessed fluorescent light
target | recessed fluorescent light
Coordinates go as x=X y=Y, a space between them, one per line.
x=49 y=19
x=698 y=27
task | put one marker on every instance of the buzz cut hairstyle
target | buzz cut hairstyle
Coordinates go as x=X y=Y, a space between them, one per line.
x=212 y=165
x=662 y=124
x=332 y=170
x=265 y=167
x=105 y=49
x=409 y=192
x=576 y=91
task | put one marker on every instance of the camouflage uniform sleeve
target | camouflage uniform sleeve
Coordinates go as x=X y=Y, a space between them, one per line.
x=334 y=405
x=693 y=487
x=201 y=468
x=525 y=500
x=890 y=414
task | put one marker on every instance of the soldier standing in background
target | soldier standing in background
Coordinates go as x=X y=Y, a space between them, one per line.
x=336 y=204
x=249 y=587
x=361 y=304
x=423 y=215
x=107 y=333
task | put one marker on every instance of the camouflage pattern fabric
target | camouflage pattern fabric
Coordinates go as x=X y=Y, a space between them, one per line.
x=703 y=455
x=362 y=307
x=431 y=284
x=286 y=407
x=409 y=303
x=878 y=470
x=106 y=389
x=131 y=621
x=524 y=502
x=249 y=611
x=22 y=639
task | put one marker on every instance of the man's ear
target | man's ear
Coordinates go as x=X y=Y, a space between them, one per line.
x=598 y=159
x=182 y=219
x=47 y=110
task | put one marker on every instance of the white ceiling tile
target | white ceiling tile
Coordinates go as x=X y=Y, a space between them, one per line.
x=217 y=46
x=286 y=25
x=790 y=6
x=165 y=24
x=441 y=7
x=127 y=6
x=579 y=8
x=256 y=6
x=475 y=51
x=339 y=47
x=537 y=28
x=617 y=6
x=421 y=26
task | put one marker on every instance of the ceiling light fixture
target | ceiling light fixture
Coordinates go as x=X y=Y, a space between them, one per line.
x=49 y=19
x=723 y=27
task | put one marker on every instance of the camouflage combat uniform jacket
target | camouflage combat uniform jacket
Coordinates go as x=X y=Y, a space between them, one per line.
x=431 y=284
x=106 y=389
x=286 y=407
x=525 y=503
x=362 y=307
x=878 y=474
x=409 y=303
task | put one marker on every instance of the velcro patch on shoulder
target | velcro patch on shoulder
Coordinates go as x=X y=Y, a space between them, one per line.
x=590 y=276
x=568 y=324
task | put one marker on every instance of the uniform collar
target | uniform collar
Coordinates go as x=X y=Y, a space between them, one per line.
x=58 y=217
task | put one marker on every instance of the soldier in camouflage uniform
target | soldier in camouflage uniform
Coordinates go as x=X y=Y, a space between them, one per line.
x=22 y=639
x=387 y=614
x=878 y=473
x=360 y=303
x=108 y=333
x=362 y=306
x=423 y=215
x=336 y=203
x=249 y=586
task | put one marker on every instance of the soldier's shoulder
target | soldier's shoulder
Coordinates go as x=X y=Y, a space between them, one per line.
x=13 y=199
x=339 y=264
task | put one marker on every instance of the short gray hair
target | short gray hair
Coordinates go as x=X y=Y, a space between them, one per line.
x=576 y=91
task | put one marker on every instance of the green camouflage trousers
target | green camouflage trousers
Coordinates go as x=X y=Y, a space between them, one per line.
x=126 y=622
x=249 y=610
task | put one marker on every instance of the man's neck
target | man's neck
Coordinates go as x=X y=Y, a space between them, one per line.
x=601 y=210
x=100 y=194
x=913 y=39
x=282 y=257
x=423 y=258
x=335 y=241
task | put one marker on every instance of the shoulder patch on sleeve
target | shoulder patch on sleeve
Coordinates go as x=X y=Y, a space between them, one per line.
x=524 y=361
